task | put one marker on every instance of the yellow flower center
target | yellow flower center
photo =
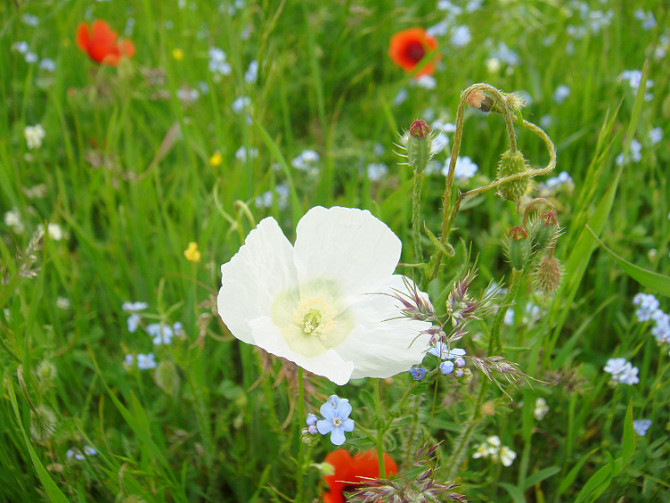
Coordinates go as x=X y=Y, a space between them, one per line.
x=312 y=317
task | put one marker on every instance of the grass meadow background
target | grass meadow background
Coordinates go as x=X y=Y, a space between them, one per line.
x=141 y=159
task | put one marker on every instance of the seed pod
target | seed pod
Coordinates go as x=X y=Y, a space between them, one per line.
x=548 y=274
x=419 y=142
x=512 y=163
x=517 y=247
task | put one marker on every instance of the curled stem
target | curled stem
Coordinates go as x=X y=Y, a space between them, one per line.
x=531 y=205
x=449 y=212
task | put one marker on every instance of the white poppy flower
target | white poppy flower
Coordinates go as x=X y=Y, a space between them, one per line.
x=325 y=303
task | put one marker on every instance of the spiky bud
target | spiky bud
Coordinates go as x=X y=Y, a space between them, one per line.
x=42 y=423
x=517 y=247
x=547 y=275
x=419 y=142
x=544 y=231
x=512 y=163
x=167 y=377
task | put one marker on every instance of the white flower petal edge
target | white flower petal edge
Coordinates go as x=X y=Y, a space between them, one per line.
x=384 y=343
x=349 y=245
x=261 y=268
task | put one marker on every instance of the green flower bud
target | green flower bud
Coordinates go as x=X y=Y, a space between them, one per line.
x=518 y=248
x=512 y=163
x=419 y=142
x=544 y=231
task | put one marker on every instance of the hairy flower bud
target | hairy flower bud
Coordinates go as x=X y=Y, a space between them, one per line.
x=512 y=163
x=544 y=231
x=517 y=247
x=419 y=144
x=548 y=274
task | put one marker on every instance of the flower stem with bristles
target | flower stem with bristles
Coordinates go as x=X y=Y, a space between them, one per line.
x=300 y=417
x=380 y=432
x=495 y=341
x=416 y=215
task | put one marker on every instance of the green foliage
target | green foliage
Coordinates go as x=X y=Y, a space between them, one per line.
x=133 y=169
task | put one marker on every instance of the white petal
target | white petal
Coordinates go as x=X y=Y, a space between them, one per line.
x=347 y=245
x=251 y=280
x=383 y=343
x=329 y=364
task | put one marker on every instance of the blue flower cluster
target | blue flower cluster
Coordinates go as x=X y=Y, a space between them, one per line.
x=160 y=333
x=622 y=371
x=649 y=309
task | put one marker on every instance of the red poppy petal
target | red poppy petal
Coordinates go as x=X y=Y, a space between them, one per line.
x=83 y=37
x=366 y=465
x=103 y=35
x=333 y=498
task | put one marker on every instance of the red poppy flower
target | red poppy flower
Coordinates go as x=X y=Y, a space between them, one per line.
x=408 y=47
x=100 y=43
x=351 y=472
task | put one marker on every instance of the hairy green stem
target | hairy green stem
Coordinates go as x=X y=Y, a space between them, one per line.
x=416 y=215
x=380 y=431
x=299 y=473
x=495 y=341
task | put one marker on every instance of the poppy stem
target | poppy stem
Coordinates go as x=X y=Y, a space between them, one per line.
x=301 y=456
x=380 y=431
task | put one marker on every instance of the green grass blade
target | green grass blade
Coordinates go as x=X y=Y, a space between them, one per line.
x=652 y=280
x=52 y=490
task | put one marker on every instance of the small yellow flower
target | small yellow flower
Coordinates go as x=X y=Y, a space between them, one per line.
x=216 y=159
x=178 y=54
x=192 y=253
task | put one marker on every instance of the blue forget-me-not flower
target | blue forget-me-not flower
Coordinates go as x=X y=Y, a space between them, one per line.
x=336 y=419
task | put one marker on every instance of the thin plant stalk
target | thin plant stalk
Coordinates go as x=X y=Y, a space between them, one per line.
x=299 y=473
x=380 y=431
